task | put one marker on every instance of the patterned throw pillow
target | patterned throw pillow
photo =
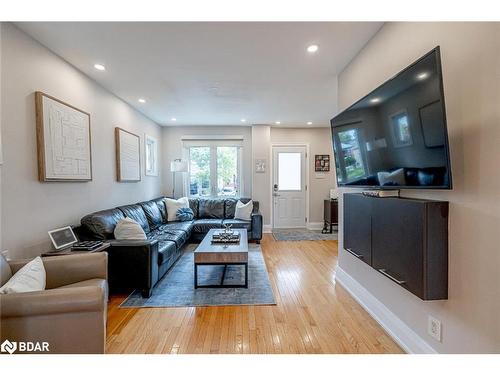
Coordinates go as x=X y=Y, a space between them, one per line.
x=184 y=214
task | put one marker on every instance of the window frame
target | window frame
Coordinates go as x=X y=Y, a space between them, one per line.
x=396 y=141
x=149 y=140
x=213 y=144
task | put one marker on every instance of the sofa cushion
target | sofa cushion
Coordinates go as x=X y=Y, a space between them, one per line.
x=243 y=210
x=230 y=206
x=238 y=224
x=185 y=214
x=186 y=226
x=204 y=225
x=177 y=236
x=193 y=204
x=102 y=224
x=211 y=209
x=173 y=206
x=160 y=203
x=153 y=214
x=135 y=212
x=166 y=249
x=100 y=283
x=129 y=229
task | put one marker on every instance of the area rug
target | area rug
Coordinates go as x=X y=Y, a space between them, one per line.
x=176 y=289
x=302 y=235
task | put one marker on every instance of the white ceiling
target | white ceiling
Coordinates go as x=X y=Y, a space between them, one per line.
x=214 y=73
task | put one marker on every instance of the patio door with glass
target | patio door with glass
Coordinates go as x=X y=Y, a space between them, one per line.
x=289 y=187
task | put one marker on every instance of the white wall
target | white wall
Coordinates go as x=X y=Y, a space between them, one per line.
x=319 y=140
x=30 y=208
x=261 y=183
x=172 y=149
x=471 y=68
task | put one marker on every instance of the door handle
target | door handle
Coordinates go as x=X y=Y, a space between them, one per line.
x=353 y=253
x=384 y=272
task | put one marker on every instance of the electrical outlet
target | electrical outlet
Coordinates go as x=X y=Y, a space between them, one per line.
x=434 y=328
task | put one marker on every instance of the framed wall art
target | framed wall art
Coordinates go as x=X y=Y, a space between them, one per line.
x=150 y=155
x=63 y=141
x=322 y=163
x=128 y=156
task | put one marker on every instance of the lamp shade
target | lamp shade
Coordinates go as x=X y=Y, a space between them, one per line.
x=178 y=166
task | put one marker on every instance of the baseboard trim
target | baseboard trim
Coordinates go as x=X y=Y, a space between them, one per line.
x=267 y=228
x=409 y=341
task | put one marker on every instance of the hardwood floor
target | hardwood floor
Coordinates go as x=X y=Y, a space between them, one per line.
x=312 y=315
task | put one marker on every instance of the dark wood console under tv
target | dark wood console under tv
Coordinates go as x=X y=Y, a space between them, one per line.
x=405 y=239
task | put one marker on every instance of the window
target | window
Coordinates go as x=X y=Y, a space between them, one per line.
x=214 y=169
x=151 y=150
x=401 y=129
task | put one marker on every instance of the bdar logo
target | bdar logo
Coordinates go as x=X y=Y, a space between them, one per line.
x=9 y=347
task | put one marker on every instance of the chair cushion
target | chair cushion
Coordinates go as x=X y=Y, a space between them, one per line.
x=135 y=212
x=166 y=249
x=100 y=283
x=30 y=278
x=238 y=224
x=153 y=213
x=102 y=223
x=204 y=225
x=211 y=209
x=129 y=229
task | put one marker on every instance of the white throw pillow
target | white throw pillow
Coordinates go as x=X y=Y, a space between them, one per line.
x=30 y=278
x=129 y=229
x=396 y=177
x=173 y=205
x=243 y=211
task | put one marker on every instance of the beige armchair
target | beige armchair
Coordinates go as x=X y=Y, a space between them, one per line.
x=70 y=314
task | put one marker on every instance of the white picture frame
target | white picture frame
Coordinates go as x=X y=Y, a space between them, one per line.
x=128 y=156
x=150 y=156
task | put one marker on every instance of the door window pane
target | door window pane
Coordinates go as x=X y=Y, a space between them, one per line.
x=289 y=171
x=227 y=171
x=199 y=171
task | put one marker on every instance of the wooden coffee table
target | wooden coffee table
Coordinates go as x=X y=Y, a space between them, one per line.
x=208 y=254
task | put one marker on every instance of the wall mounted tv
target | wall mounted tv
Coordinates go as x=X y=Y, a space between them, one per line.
x=396 y=137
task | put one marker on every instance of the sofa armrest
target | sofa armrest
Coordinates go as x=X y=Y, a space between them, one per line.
x=256 y=226
x=133 y=264
x=69 y=269
x=53 y=301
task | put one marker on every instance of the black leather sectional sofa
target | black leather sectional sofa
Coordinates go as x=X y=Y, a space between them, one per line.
x=140 y=264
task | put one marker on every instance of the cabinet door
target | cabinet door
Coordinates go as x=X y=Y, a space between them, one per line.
x=397 y=241
x=357 y=226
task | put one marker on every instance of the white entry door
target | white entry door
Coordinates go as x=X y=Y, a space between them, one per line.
x=289 y=187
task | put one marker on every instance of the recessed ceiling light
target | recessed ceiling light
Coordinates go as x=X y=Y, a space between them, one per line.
x=141 y=100
x=423 y=75
x=278 y=122
x=375 y=100
x=173 y=119
x=99 y=67
x=309 y=123
x=243 y=120
x=312 y=48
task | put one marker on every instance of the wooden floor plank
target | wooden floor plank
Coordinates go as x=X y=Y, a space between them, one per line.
x=313 y=314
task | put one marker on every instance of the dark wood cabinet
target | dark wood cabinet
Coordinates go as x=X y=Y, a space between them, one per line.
x=330 y=215
x=407 y=240
x=357 y=227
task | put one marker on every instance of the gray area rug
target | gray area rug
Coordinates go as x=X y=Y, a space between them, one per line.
x=176 y=289
x=302 y=235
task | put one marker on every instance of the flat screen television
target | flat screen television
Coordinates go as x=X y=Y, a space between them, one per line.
x=396 y=137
